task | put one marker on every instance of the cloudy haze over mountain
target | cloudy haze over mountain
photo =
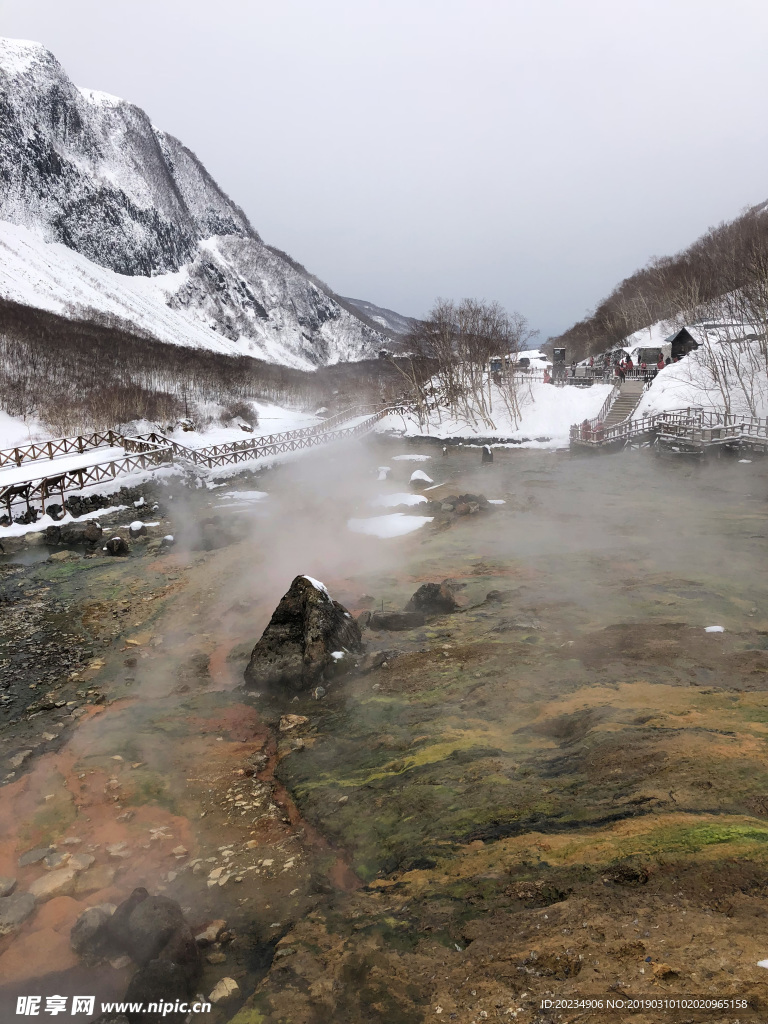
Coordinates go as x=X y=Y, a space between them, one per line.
x=532 y=153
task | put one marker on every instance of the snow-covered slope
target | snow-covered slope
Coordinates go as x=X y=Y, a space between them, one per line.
x=88 y=174
x=386 y=318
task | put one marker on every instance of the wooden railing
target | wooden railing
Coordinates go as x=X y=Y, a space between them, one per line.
x=58 y=446
x=56 y=484
x=692 y=424
x=149 y=451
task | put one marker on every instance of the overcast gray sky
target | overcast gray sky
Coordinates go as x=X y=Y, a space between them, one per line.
x=530 y=151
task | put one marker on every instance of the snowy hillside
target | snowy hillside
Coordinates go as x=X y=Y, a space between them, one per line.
x=386 y=318
x=90 y=178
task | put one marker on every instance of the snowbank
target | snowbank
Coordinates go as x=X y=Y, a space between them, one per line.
x=690 y=382
x=43 y=522
x=546 y=414
x=395 y=525
x=15 y=432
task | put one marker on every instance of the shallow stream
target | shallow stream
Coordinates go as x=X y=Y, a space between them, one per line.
x=506 y=760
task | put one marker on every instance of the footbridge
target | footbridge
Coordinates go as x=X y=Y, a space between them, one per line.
x=43 y=472
x=688 y=431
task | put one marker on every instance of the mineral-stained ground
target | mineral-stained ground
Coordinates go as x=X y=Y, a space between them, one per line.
x=558 y=791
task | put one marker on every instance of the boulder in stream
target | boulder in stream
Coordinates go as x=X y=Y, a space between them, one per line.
x=396 y=621
x=434 y=599
x=305 y=642
x=150 y=928
x=117 y=546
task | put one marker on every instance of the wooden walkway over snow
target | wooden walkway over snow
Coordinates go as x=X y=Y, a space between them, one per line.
x=41 y=472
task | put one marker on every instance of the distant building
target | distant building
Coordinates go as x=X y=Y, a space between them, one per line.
x=681 y=343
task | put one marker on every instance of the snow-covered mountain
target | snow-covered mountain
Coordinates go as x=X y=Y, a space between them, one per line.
x=102 y=215
x=388 y=319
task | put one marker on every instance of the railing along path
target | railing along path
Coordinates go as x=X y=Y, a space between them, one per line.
x=693 y=426
x=153 y=450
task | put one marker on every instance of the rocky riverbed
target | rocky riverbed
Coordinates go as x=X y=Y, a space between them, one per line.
x=557 y=788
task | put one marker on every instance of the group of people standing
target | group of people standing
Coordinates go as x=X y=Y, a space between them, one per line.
x=625 y=366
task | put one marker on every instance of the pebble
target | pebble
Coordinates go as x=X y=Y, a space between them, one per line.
x=118 y=850
x=211 y=933
x=226 y=989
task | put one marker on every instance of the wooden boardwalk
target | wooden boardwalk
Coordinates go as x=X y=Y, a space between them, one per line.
x=689 y=431
x=44 y=483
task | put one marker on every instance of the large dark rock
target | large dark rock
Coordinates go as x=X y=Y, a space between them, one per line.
x=75 y=534
x=434 y=599
x=14 y=910
x=396 y=620
x=296 y=649
x=117 y=546
x=90 y=934
x=151 y=928
x=159 y=982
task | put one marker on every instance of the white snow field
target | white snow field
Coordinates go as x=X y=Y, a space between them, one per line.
x=51 y=276
x=546 y=412
x=690 y=382
x=398 y=524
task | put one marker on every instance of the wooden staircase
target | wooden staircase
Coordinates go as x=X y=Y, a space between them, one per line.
x=627 y=401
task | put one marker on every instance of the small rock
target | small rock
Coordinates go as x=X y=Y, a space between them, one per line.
x=343 y=800
x=81 y=861
x=35 y=856
x=226 y=989
x=57 y=883
x=18 y=759
x=64 y=556
x=120 y=962
x=117 y=546
x=7 y=885
x=88 y=934
x=288 y=722
x=216 y=958
x=55 y=860
x=179 y=851
x=118 y=850
x=94 y=879
x=371 y=661
x=210 y=934
x=319 y=692
x=14 y=910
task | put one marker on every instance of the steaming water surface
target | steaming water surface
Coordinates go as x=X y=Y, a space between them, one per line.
x=576 y=696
